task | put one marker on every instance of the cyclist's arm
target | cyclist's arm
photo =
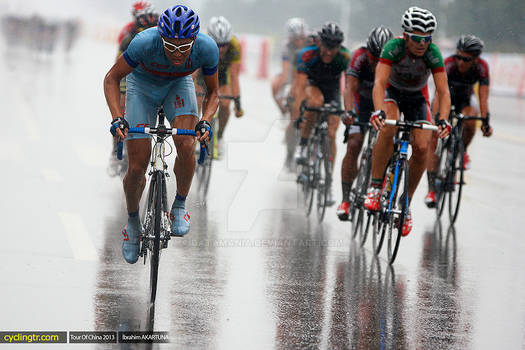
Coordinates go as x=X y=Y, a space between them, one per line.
x=484 y=100
x=351 y=88
x=286 y=67
x=211 y=101
x=443 y=94
x=235 y=69
x=380 y=81
x=112 y=85
x=435 y=104
x=300 y=86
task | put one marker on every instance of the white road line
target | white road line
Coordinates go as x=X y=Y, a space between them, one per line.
x=51 y=175
x=78 y=236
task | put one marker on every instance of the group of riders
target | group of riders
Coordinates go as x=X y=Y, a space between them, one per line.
x=165 y=60
x=384 y=79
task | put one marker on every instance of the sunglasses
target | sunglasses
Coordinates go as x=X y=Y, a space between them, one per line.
x=419 y=38
x=464 y=58
x=172 y=48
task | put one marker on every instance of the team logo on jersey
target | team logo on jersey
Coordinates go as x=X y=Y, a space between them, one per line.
x=179 y=102
x=308 y=55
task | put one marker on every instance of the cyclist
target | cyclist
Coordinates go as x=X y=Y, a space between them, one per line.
x=229 y=68
x=464 y=70
x=144 y=20
x=358 y=96
x=400 y=86
x=319 y=69
x=138 y=8
x=296 y=38
x=158 y=64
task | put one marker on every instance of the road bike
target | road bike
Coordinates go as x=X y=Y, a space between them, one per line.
x=156 y=220
x=449 y=175
x=360 y=186
x=315 y=172
x=394 y=193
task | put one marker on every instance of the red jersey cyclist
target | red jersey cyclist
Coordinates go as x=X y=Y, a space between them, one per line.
x=464 y=70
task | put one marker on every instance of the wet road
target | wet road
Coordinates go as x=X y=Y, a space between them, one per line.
x=254 y=272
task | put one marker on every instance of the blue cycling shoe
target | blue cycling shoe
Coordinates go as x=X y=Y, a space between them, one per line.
x=180 y=219
x=130 y=243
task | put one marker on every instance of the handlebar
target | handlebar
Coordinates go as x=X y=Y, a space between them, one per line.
x=411 y=125
x=163 y=131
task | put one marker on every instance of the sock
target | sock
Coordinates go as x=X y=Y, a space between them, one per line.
x=376 y=183
x=431 y=176
x=347 y=187
x=134 y=214
x=303 y=141
x=179 y=202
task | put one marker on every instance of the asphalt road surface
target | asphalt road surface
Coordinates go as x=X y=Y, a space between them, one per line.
x=254 y=272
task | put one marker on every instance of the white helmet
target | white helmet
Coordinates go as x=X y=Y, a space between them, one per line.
x=295 y=27
x=418 y=19
x=220 y=30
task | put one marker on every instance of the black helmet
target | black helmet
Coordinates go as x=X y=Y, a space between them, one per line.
x=470 y=44
x=377 y=39
x=331 y=35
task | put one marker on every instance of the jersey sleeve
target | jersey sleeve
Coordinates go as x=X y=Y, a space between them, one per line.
x=210 y=56
x=305 y=58
x=356 y=63
x=393 y=51
x=434 y=59
x=136 y=51
x=450 y=64
x=236 y=50
x=484 y=78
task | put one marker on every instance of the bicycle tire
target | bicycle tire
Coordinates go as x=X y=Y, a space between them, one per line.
x=311 y=176
x=394 y=241
x=324 y=184
x=379 y=232
x=157 y=223
x=364 y=231
x=365 y=173
x=441 y=179
x=357 y=205
x=456 y=178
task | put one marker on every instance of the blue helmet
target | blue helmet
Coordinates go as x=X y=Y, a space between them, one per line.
x=178 y=22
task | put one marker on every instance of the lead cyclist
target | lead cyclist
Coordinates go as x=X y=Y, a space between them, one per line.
x=401 y=87
x=158 y=64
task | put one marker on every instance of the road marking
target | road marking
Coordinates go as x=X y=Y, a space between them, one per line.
x=51 y=175
x=78 y=236
x=509 y=137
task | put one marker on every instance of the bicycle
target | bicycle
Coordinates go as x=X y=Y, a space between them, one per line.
x=449 y=175
x=360 y=185
x=203 y=171
x=394 y=203
x=156 y=227
x=315 y=174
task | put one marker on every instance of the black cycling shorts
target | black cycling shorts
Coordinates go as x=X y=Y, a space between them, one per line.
x=331 y=92
x=413 y=104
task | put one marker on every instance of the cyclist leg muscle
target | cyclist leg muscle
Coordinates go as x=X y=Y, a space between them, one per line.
x=385 y=144
x=139 y=152
x=314 y=98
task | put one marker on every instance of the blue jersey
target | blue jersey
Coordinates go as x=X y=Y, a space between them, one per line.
x=146 y=54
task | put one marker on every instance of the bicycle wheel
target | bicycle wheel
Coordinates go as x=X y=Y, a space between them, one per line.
x=364 y=179
x=456 y=180
x=378 y=233
x=157 y=224
x=398 y=210
x=325 y=177
x=310 y=178
x=441 y=179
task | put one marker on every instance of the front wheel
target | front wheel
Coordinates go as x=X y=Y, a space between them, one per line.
x=157 y=226
x=398 y=209
x=325 y=178
x=456 y=180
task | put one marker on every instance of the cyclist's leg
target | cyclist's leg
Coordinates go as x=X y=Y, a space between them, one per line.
x=277 y=86
x=224 y=104
x=180 y=106
x=417 y=109
x=141 y=111
x=469 y=126
x=314 y=98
